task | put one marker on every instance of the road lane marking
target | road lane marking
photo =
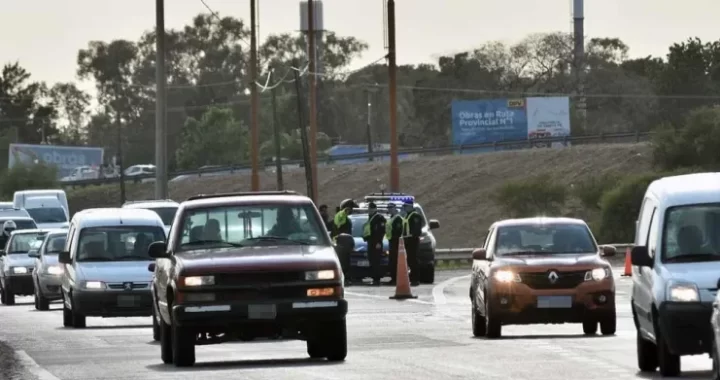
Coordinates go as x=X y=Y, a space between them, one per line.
x=379 y=297
x=31 y=365
x=438 y=291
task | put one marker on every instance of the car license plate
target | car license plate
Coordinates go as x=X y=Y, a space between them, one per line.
x=363 y=263
x=127 y=301
x=554 y=302
x=262 y=311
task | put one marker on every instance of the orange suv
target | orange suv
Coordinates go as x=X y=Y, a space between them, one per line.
x=542 y=271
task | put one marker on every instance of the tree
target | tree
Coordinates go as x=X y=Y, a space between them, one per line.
x=216 y=139
x=72 y=106
x=23 y=109
x=291 y=145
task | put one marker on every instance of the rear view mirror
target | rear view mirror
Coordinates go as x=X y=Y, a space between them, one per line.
x=434 y=224
x=479 y=254
x=64 y=257
x=151 y=267
x=158 y=250
x=344 y=243
x=608 y=250
x=639 y=256
x=34 y=254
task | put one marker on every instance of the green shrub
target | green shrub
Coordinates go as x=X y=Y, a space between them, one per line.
x=590 y=191
x=694 y=145
x=28 y=177
x=535 y=196
x=620 y=206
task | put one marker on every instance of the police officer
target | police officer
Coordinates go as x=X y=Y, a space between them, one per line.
x=393 y=232
x=373 y=234
x=343 y=225
x=326 y=218
x=412 y=229
x=8 y=227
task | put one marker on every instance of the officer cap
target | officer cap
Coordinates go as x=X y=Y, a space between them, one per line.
x=372 y=205
x=348 y=203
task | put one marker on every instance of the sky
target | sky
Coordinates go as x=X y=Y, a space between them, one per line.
x=45 y=35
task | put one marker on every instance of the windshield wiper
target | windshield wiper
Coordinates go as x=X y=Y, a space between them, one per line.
x=277 y=238
x=210 y=242
x=135 y=257
x=519 y=253
x=693 y=257
x=96 y=259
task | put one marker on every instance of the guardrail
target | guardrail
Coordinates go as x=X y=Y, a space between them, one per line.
x=503 y=145
x=464 y=255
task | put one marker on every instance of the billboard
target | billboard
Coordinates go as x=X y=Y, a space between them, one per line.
x=66 y=158
x=488 y=121
x=548 y=117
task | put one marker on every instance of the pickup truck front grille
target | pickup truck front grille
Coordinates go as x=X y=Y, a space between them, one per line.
x=258 y=278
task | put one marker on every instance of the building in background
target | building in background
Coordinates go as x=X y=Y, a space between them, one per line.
x=67 y=159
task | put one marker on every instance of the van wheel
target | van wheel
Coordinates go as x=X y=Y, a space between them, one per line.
x=646 y=354
x=67 y=316
x=9 y=297
x=590 y=326
x=478 y=322
x=183 y=346
x=493 y=326
x=43 y=303
x=715 y=362
x=669 y=363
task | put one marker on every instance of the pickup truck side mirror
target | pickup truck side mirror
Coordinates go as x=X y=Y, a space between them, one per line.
x=64 y=257
x=480 y=254
x=639 y=256
x=151 y=267
x=434 y=224
x=158 y=250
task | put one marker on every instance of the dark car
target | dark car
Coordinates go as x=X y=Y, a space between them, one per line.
x=542 y=271
x=359 y=261
x=244 y=266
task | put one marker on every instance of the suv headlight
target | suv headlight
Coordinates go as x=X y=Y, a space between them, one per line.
x=198 y=280
x=320 y=275
x=683 y=293
x=54 y=270
x=94 y=285
x=598 y=274
x=506 y=276
x=19 y=270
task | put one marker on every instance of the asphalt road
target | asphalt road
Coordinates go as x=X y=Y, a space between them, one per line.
x=427 y=338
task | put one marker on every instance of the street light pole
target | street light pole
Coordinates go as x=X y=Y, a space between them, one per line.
x=161 y=186
x=392 y=89
x=254 y=103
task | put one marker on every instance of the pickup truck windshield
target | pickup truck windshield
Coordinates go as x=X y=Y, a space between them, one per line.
x=251 y=225
x=556 y=238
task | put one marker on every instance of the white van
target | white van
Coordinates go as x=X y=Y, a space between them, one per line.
x=49 y=208
x=676 y=267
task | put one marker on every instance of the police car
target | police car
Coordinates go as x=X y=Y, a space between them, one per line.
x=426 y=255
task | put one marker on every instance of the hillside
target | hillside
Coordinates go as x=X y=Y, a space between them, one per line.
x=454 y=189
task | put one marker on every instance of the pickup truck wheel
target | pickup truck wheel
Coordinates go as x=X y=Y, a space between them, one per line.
x=183 y=346
x=478 y=322
x=78 y=320
x=336 y=340
x=493 y=326
x=608 y=324
x=43 y=303
x=155 y=326
x=2 y=294
x=646 y=354
x=590 y=326
x=427 y=275
x=166 y=349
x=9 y=297
x=315 y=348
x=669 y=363
x=67 y=316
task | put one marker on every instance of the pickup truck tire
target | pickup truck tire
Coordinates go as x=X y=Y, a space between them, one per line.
x=336 y=340
x=590 y=326
x=78 y=320
x=646 y=354
x=669 y=363
x=67 y=316
x=155 y=326
x=9 y=297
x=166 y=349
x=183 y=346
x=43 y=304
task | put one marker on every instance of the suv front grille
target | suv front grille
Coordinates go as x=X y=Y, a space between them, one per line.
x=253 y=278
x=565 y=280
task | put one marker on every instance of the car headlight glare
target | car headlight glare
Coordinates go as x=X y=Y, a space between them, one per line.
x=55 y=270
x=683 y=293
x=597 y=274
x=320 y=275
x=506 y=276
x=199 y=280
x=19 y=270
x=94 y=285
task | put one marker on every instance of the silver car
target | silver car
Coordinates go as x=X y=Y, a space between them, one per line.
x=105 y=264
x=17 y=266
x=46 y=276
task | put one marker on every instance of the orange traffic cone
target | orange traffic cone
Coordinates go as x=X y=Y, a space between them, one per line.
x=402 y=284
x=628 y=263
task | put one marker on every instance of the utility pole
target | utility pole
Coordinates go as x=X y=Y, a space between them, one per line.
x=161 y=180
x=579 y=50
x=276 y=137
x=303 y=132
x=119 y=158
x=312 y=56
x=392 y=89
x=254 y=103
x=369 y=123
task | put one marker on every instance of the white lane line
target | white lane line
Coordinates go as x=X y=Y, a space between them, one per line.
x=31 y=365
x=379 y=297
x=438 y=291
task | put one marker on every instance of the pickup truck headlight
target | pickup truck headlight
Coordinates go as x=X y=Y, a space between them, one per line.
x=320 y=275
x=506 y=276
x=198 y=280
x=54 y=270
x=19 y=270
x=683 y=293
x=597 y=274
x=94 y=285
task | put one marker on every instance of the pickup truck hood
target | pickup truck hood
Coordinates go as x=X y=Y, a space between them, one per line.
x=704 y=274
x=19 y=260
x=115 y=271
x=551 y=261
x=261 y=258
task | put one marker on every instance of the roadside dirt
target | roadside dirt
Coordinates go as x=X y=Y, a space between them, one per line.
x=457 y=190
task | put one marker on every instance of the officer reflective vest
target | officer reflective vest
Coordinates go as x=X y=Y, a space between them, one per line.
x=366 y=227
x=340 y=219
x=406 y=224
x=389 y=226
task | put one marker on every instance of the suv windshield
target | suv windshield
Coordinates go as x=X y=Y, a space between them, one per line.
x=55 y=244
x=167 y=214
x=252 y=225
x=544 y=239
x=692 y=233
x=47 y=214
x=117 y=243
x=24 y=243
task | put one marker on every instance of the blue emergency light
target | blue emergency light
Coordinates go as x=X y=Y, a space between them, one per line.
x=390 y=197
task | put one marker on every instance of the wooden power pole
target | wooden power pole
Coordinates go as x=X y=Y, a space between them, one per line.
x=254 y=103
x=312 y=68
x=392 y=89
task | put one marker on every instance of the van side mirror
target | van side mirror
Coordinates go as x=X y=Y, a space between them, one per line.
x=64 y=257
x=434 y=224
x=608 y=251
x=639 y=256
x=479 y=254
x=151 y=267
x=158 y=250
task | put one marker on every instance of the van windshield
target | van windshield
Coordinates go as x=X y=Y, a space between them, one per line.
x=692 y=234
x=47 y=214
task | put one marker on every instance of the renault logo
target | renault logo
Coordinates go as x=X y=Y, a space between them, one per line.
x=553 y=277
x=127 y=285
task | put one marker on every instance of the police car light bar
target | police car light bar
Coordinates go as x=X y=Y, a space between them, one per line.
x=389 y=197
